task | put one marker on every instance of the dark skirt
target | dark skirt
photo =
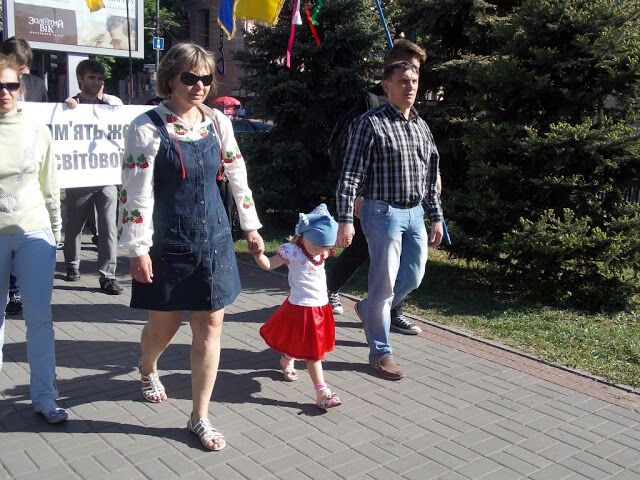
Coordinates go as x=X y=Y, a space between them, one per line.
x=189 y=278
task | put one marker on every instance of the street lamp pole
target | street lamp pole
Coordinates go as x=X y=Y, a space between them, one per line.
x=130 y=60
x=157 y=31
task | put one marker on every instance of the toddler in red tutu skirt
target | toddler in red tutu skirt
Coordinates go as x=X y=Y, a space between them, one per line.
x=303 y=326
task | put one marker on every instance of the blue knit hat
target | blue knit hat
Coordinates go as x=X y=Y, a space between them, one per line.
x=318 y=226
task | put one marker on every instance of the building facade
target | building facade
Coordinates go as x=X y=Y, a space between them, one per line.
x=205 y=31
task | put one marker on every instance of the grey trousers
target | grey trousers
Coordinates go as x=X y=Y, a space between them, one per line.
x=80 y=202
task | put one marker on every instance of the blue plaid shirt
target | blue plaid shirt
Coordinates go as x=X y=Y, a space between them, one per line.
x=390 y=158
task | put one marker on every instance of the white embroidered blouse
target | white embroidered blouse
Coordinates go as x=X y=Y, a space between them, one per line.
x=135 y=231
x=307 y=281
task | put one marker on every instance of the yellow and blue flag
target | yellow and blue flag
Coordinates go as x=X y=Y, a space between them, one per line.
x=226 y=17
x=265 y=11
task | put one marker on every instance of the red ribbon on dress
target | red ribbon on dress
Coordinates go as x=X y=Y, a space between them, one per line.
x=184 y=173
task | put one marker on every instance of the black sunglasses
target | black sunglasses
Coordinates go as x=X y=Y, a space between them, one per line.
x=11 y=86
x=190 y=79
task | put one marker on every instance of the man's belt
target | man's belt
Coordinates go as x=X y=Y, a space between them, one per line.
x=406 y=205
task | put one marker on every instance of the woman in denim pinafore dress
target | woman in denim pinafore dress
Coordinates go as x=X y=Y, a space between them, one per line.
x=194 y=265
x=175 y=226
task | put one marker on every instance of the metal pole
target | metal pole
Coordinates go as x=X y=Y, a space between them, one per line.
x=157 y=31
x=130 y=59
x=384 y=25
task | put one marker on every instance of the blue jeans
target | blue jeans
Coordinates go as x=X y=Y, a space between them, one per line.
x=14 y=288
x=397 y=240
x=33 y=255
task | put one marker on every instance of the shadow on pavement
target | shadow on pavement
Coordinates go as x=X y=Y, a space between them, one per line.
x=113 y=377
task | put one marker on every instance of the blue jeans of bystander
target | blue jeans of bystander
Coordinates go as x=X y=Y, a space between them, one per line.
x=33 y=255
x=397 y=240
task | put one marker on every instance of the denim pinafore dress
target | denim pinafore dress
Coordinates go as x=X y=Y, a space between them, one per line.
x=194 y=265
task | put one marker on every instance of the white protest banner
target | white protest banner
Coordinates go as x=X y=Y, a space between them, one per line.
x=88 y=141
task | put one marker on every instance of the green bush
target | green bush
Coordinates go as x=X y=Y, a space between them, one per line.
x=543 y=97
x=572 y=262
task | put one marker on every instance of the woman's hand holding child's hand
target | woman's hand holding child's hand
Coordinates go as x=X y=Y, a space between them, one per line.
x=255 y=244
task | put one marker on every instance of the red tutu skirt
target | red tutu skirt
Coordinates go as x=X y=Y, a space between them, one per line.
x=306 y=333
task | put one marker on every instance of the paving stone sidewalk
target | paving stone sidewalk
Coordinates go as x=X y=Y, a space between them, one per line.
x=466 y=410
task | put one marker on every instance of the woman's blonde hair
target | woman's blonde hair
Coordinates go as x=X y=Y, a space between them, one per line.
x=183 y=57
x=10 y=61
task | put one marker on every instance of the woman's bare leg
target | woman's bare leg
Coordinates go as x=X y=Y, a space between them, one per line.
x=205 y=358
x=156 y=336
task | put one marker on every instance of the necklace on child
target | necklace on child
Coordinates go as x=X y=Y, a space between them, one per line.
x=310 y=257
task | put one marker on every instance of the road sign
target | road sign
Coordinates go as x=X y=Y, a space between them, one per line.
x=158 y=43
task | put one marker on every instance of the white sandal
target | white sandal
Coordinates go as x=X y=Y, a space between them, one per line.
x=152 y=387
x=207 y=433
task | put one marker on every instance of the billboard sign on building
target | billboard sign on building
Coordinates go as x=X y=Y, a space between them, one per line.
x=96 y=27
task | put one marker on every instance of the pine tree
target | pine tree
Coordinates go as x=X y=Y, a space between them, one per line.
x=548 y=124
x=289 y=168
x=448 y=30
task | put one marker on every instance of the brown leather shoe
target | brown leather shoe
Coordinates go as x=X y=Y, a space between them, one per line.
x=388 y=369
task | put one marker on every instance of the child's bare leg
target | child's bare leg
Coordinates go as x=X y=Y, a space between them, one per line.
x=289 y=373
x=324 y=398
x=314 y=367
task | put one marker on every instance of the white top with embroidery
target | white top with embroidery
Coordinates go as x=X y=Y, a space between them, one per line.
x=141 y=146
x=308 y=282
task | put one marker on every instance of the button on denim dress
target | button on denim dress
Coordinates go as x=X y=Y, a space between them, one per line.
x=194 y=265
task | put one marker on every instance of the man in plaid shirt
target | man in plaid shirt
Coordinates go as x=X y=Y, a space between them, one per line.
x=392 y=161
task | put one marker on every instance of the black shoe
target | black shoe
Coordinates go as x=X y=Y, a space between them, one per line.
x=400 y=324
x=73 y=274
x=110 y=286
x=14 y=307
x=94 y=240
x=356 y=307
x=51 y=412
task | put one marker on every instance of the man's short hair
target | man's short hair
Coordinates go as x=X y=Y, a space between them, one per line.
x=89 y=66
x=404 y=49
x=403 y=65
x=19 y=48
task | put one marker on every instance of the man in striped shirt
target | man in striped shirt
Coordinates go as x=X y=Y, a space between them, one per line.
x=392 y=161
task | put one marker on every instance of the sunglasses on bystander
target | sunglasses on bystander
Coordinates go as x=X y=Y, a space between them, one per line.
x=190 y=79
x=10 y=86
